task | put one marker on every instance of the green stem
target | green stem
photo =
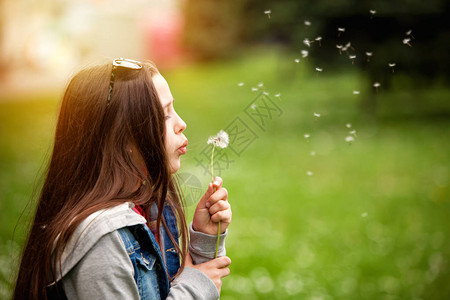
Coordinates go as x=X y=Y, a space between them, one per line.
x=212 y=180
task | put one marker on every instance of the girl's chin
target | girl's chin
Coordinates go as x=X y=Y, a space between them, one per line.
x=174 y=166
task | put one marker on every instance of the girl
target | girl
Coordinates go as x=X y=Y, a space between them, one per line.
x=109 y=214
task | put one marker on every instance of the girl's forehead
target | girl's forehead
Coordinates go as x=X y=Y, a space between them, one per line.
x=162 y=88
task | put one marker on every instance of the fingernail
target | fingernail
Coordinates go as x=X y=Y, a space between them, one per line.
x=216 y=183
x=208 y=204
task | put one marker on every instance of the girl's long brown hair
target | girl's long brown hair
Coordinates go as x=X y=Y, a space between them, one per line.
x=91 y=167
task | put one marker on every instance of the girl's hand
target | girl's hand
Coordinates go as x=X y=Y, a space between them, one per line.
x=215 y=269
x=212 y=209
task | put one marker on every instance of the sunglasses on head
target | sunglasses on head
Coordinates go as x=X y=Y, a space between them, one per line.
x=121 y=63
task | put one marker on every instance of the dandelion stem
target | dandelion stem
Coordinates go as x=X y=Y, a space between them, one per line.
x=212 y=180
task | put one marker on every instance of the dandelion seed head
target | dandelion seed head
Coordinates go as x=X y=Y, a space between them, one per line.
x=319 y=69
x=369 y=53
x=348 y=125
x=309 y=173
x=306 y=135
x=349 y=139
x=240 y=84
x=341 y=29
x=391 y=65
x=221 y=140
x=297 y=60
x=356 y=92
x=304 y=53
x=307 y=23
x=376 y=84
x=316 y=115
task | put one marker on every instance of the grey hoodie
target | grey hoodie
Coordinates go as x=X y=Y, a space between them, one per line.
x=96 y=265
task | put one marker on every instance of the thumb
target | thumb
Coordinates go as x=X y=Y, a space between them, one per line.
x=206 y=196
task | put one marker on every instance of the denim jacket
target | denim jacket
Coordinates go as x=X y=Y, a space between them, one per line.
x=150 y=272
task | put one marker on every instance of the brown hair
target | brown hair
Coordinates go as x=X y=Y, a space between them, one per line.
x=91 y=168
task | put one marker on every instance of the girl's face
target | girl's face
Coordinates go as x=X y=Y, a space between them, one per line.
x=175 y=142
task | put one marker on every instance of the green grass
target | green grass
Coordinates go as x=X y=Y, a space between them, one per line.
x=370 y=223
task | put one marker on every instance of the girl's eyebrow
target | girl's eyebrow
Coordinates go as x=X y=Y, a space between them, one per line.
x=168 y=104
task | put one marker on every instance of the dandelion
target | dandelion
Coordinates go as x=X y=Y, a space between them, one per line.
x=253 y=106
x=221 y=140
x=309 y=173
x=313 y=153
x=340 y=30
x=304 y=53
x=340 y=48
x=356 y=92
x=268 y=12
x=316 y=115
x=348 y=125
x=319 y=39
x=349 y=139
x=372 y=13
x=406 y=41
x=307 y=23
x=392 y=65
x=297 y=60
x=240 y=84
x=307 y=42
x=352 y=57
x=307 y=135
x=409 y=33
x=376 y=85
x=369 y=55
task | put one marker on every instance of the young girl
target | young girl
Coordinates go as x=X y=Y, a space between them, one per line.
x=110 y=215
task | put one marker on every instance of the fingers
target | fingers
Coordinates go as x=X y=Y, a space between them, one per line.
x=221 y=262
x=220 y=194
x=217 y=183
x=223 y=216
x=206 y=196
x=219 y=206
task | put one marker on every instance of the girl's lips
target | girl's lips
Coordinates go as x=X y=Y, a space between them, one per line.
x=182 y=150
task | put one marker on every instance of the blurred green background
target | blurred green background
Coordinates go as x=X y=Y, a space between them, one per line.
x=313 y=218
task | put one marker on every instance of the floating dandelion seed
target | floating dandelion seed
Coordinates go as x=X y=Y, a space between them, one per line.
x=319 y=69
x=304 y=53
x=306 y=135
x=241 y=84
x=392 y=65
x=409 y=33
x=268 y=12
x=369 y=55
x=364 y=214
x=340 y=30
x=348 y=125
x=253 y=106
x=277 y=95
x=340 y=48
x=307 y=23
x=406 y=41
x=356 y=92
x=319 y=39
x=372 y=13
x=266 y=93
x=297 y=60
x=254 y=89
x=353 y=132
x=313 y=153
x=307 y=42
x=376 y=85
x=261 y=84
x=316 y=115
x=348 y=45
x=309 y=173
x=221 y=140
x=352 y=57
x=349 y=139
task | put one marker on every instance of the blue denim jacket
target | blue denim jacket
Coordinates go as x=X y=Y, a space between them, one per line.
x=150 y=271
